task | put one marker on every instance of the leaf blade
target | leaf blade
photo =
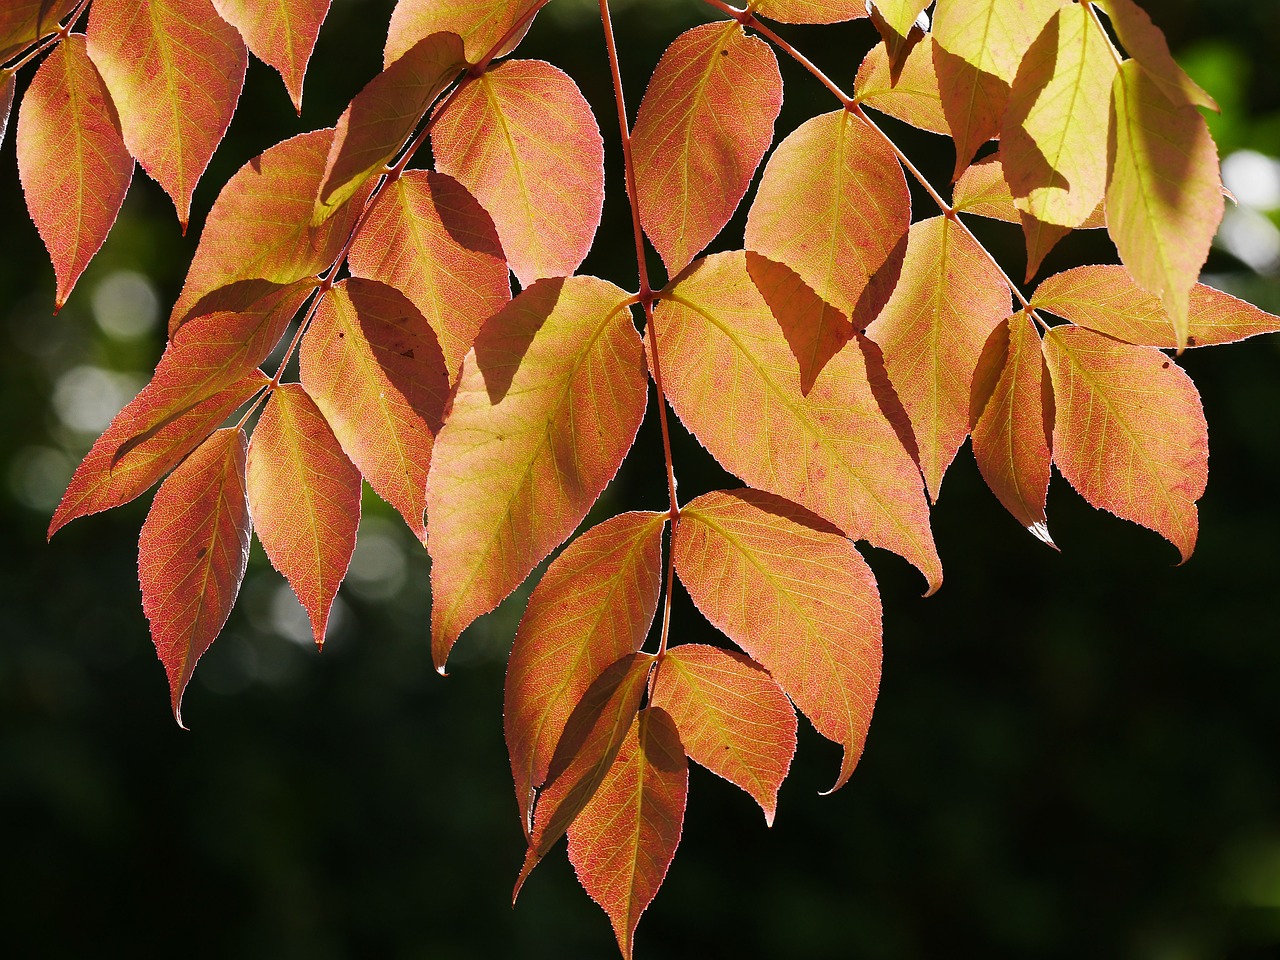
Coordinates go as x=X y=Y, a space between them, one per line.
x=480 y=23
x=280 y=33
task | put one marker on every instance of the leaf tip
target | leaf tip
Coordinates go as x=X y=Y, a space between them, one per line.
x=1040 y=530
x=530 y=861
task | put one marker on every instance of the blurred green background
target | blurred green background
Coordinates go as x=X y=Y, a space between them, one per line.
x=1073 y=754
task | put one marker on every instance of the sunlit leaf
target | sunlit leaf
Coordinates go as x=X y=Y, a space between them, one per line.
x=626 y=837
x=791 y=591
x=480 y=23
x=281 y=33
x=374 y=368
x=24 y=22
x=732 y=716
x=74 y=166
x=192 y=555
x=522 y=138
x=429 y=238
x=914 y=98
x=703 y=127
x=593 y=606
x=811 y=11
x=1129 y=432
x=1145 y=42
x=549 y=402
x=175 y=70
x=897 y=22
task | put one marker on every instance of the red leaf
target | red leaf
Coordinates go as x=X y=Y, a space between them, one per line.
x=792 y=592
x=548 y=404
x=192 y=555
x=522 y=138
x=281 y=33
x=703 y=127
x=304 y=495
x=429 y=238
x=625 y=839
x=374 y=368
x=593 y=606
x=480 y=23
x=25 y=22
x=73 y=163
x=175 y=70
x=732 y=716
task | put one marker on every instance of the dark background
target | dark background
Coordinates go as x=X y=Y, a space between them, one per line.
x=1074 y=754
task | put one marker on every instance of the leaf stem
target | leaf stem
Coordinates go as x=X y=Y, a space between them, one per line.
x=49 y=42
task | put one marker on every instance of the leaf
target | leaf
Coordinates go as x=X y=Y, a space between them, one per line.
x=593 y=607
x=732 y=716
x=1164 y=199
x=522 y=138
x=1051 y=146
x=703 y=127
x=382 y=117
x=833 y=206
x=1129 y=433
x=1144 y=41
x=175 y=70
x=6 y=101
x=978 y=47
x=192 y=555
x=1011 y=437
x=1105 y=298
x=624 y=840
x=811 y=11
x=428 y=237
x=373 y=366
x=914 y=98
x=731 y=377
x=793 y=593
x=304 y=496
x=73 y=163
x=480 y=23
x=898 y=22
x=25 y=22
x=260 y=225
x=281 y=33
x=548 y=404
x=949 y=299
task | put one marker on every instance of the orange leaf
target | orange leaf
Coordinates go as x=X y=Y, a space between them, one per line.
x=480 y=24
x=429 y=238
x=898 y=23
x=523 y=139
x=548 y=404
x=703 y=127
x=1011 y=437
x=25 y=22
x=792 y=592
x=731 y=376
x=281 y=33
x=593 y=606
x=1105 y=298
x=811 y=11
x=304 y=496
x=1129 y=432
x=73 y=163
x=914 y=98
x=625 y=839
x=192 y=555
x=374 y=368
x=175 y=70
x=950 y=298
x=1145 y=42
x=732 y=716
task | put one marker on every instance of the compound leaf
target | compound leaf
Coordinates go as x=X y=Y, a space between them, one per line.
x=281 y=33
x=480 y=23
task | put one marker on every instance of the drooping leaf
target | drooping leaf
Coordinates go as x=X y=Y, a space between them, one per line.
x=811 y=11
x=523 y=139
x=480 y=23
x=949 y=299
x=1105 y=298
x=25 y=22
x=791 y=591
x=429 y=238
x=73 y=163
x=281 y=33
x=549 y=402
x=374 y=368
x=833 y=206
x=260 y=225
x=593 y=606
x=1164 y=197
x=304 y=495
x=732 y=716
x=898 y=23
x=192 y=555
x=175 y=70
x=703 y=127
x=1051 y=145
x=978 y=47
x=626 y=837
x=382 y=117
x=731 y=376
x=1011 y=437
x=914 y=98
x=1145 y=42
x=1129 y=432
